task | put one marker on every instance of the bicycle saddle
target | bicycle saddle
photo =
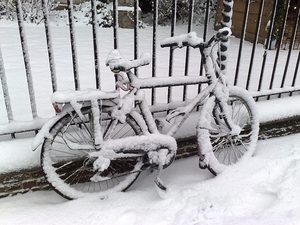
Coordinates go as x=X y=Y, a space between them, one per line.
x=117 y=62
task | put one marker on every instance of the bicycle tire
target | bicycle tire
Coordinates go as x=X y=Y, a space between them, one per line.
x=229 y=149
x=69 y=169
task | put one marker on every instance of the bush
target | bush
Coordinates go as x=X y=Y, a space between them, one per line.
x=182 y=14
x=104 y=17
x=32 y=10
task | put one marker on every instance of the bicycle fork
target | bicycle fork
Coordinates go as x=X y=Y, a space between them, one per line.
x=205 y=148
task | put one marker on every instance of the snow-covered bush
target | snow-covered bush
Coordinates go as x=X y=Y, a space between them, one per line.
x=33 y=13
x=200 y=10
x=6 y=11
x=104 y=17
x=103 y=10
x=32 y=10
x=182 y=10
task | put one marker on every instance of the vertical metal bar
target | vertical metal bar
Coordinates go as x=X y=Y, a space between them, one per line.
x=171 y=55
x=155 y=17
x=279 y=45
x=5 y=92
x=49 y=45
x=296 y=72
x=73 y=44
x=247 y=6
x=116 y=23
x=95 y=44
x=206 y=23
x=26 y=58
x=291 y=46
x=224 y=44
x=136 y=20
x=267 y=45
x=187 y=53
x=259 y=17
x=5 y=89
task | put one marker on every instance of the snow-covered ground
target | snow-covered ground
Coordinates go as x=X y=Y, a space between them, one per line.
x=263 y=190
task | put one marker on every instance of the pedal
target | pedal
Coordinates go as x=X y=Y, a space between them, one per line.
x=202 y=164
x=159 y=183
x=160 y=187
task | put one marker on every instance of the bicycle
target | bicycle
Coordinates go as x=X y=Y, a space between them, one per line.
x=87 y=148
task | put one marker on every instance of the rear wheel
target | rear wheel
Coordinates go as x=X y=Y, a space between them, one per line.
x=227 y=148
x=66 y=159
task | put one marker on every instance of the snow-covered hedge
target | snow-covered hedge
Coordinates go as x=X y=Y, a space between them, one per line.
x=182 y=11
x=32 y=11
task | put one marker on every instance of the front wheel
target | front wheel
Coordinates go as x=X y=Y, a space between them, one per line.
x=227 y=148
x=68 y=165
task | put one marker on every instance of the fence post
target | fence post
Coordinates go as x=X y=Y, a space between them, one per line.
x=247 y=6
x=95 y=44
x=155 y=21
x=5 y=89
x=26 y=58
x=73 y=44
x=171 y=55
x=116 y=22
x=267 y=46
x=49 y=45
x=135 y=30
x=187 y=53
x=259 y=17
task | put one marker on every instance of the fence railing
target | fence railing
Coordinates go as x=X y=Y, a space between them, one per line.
x=263 y=72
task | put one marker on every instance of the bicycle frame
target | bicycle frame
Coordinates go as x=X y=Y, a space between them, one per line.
x=216 y=87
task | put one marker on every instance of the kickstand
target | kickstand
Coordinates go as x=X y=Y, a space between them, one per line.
x=160 y=186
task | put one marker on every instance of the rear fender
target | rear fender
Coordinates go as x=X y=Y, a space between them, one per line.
x=45 y=131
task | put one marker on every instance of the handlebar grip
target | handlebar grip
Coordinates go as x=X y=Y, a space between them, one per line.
x=223 y=33
x=117 y=63
x=180 y=41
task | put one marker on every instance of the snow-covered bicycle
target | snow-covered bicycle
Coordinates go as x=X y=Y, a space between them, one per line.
x=99 y=142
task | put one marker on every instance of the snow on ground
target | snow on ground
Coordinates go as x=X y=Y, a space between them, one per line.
x=262 y=190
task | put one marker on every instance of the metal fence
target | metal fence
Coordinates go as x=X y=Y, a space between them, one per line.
x=265 y=73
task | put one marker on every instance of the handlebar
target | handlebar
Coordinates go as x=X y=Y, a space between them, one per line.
x=117 y=62
x=180 y=41
x=192 y=40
